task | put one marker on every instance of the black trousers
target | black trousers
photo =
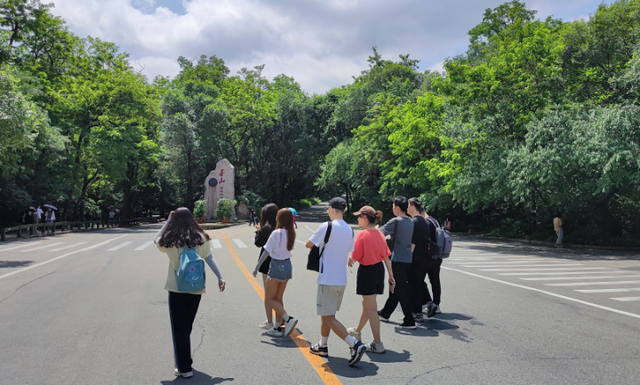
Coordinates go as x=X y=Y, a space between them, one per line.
x=420 y=269
x=182 y=311
x=401 y=294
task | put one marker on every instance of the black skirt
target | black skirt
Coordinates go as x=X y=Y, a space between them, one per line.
x=264 y=268
x=370 y=279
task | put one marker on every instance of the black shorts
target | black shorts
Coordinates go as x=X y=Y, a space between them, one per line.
x=370 y=279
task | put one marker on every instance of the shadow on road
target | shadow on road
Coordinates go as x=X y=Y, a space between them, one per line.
x=390 y=356
x=340 y=366
x=198 y=378
x=11 y=264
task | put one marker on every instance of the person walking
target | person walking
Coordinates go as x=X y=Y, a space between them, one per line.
x=400 y=228
x=294 y=212
x=332 y=280
x=371 y=252
x=50 y=217
x=278 y=247
x=181 y=231
x=264 y=229
x=424 y=264
x=252 y=217
x=557 y=226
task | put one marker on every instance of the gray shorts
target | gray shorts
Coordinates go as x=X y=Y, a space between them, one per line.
x=280 y=270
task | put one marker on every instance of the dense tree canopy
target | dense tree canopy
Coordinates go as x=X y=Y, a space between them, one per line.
x=537 y=117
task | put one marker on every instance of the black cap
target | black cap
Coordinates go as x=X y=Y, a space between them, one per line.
x=338 y=203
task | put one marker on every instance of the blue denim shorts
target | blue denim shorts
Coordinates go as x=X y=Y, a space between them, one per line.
x=280 y=270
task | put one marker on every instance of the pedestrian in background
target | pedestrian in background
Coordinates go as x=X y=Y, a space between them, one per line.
x=371 y=252
x=181 y=231
x=264 y=229
x=400 y=229
x=294 y=212
x=424 y=264
x=557 y=226
x=278 y=247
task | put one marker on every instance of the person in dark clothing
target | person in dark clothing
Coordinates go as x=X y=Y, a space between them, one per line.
x=402 y=227
x=266 y=226
x=423 y=240
x=252 y=217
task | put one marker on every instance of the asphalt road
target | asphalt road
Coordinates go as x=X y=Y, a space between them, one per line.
x=90 y=308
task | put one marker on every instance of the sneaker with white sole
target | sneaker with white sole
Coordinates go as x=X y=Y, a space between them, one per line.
x=431 y=311
x=383 y=319
x=438 y=311
x=289 y=325
x=353 y=333
x=375 y=348
x=185 y=374
x=266 y=325
x=407 y=326
x=418 y=317
x=319 y=350
x=275 y=332
x=356 y=352
x=425 y=307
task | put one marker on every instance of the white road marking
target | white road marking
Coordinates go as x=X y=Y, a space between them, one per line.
x=547 y=293
x=547 y=269
x=626 y=299
x=576 y=278
x=239 y=243
x=309 y=228
x=120 y=246
x=102 y=243
x=621 y=290
x=300 y=242
x=519 y=266
x=144 y=246
x=60 y=257
x=567 y=272
x=216 y=244
x=592 y=283
x=21 y=246
x=70 y=246
x=42 y=247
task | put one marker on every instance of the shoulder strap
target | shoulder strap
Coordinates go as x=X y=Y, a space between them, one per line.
x=328 y=233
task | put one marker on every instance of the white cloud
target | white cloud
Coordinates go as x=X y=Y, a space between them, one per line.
x=321 y=43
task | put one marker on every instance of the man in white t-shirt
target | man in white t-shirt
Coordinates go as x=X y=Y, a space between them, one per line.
x=332 y=279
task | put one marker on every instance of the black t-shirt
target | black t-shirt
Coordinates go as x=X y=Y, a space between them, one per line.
x=423 y=231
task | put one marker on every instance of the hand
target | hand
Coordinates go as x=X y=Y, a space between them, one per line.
x=222 y=285
x=171 y=214
x=258 y=227
x=255 y=273
x=351 y=262
x=392 y=283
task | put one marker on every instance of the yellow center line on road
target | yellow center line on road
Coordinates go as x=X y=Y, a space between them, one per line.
x=317 y=363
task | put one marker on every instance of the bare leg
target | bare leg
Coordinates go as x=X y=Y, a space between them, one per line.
x=274 y=290
x=267 y=308
x=329 y=322
x=364 y=317
x=370 y=308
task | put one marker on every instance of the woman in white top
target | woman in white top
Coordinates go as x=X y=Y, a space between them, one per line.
x=181 y=231
x=279 y=248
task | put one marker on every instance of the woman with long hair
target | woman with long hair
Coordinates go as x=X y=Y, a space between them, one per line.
x=278 y=247
x=264 y=229
x=181 y=232
x=372 y=253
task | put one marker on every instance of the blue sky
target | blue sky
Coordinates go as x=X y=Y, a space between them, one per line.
x=321 y=43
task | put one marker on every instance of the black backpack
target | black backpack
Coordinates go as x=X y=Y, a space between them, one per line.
x=313 y=261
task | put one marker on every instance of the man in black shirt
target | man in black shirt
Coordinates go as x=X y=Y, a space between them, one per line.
x=424 y=263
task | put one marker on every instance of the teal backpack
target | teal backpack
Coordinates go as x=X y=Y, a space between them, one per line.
x=190 y=275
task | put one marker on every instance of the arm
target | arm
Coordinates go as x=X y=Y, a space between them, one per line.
x=262 y=236
x=261 y=260
x=159 y=234
x=413 y=247
x=392 y=281
x=309 y=245
x=388 y=227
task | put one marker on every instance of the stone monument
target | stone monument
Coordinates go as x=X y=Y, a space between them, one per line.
x=220 y=183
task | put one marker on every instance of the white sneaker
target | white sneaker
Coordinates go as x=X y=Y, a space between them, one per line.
x=276 y=332
x=185 y=374
x=375 y=348
x=289 y=325
x=438 y=311
x=352 y=332
x=266 y=325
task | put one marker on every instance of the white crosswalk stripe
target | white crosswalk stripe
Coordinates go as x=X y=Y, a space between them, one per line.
x=577 y=278
x=620 y=290
x=42 y=247
x=547 y=269
x=593 y=283
x=69 y=247
x=143 y=246
x=215 y=243
x=120 y=246
x=21 y=246
x=626 y=299
x=519 y=266
x=300 y=242
x=567 y=272
x=239 y=243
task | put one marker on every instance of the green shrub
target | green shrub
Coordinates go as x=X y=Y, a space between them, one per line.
x=224 y=210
